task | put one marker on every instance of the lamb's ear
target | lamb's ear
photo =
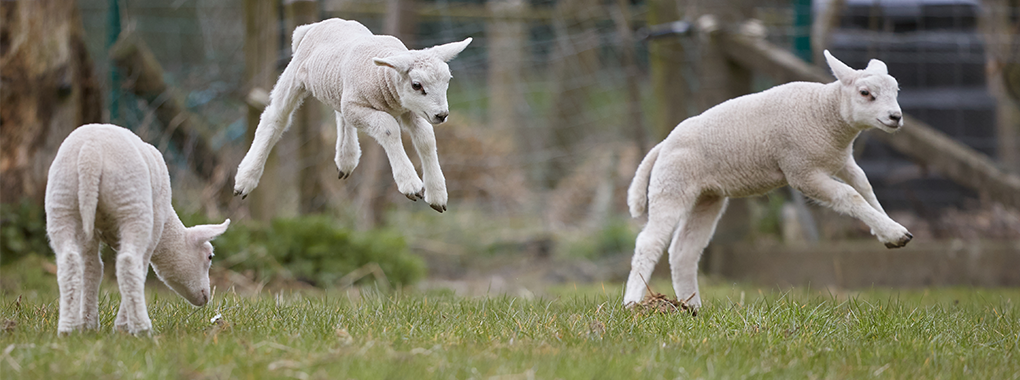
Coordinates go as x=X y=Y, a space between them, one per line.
x=877 y=67
x=447 y=52
x=400 y=62
x=842 y=72
x=206 y=232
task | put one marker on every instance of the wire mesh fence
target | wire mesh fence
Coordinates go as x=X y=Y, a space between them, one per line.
x=553 y=97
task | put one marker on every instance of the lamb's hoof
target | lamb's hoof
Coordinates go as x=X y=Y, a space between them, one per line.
x=439 y=208
x=416 y=196
x=238 y=192
x=343 y=175
x=902 y=242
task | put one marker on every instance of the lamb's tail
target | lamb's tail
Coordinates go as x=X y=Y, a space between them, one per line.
x=637 y=194
x=90 y=166
x=299 y=34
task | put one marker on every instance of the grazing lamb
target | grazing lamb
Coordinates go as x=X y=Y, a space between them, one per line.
x=107 y=185
x=798 y=133
x=375 y=85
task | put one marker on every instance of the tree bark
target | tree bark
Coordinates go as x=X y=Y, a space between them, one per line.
x=667 y=63
x=308 y=121
x=1001 y=26
x=48 y=90
x=575 y=60
x=261 y=52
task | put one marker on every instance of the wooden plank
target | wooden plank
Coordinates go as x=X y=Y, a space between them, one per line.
x=917 y=140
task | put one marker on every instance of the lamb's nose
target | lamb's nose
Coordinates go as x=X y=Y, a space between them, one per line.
x=896 y=116
x=441 y=117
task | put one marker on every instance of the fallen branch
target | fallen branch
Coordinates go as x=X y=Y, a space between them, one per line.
x=917 y=140
x=144 y=78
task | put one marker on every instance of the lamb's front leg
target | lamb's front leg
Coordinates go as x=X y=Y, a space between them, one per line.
x=286 y=96
x=424 y=139
x=844 y=199
x=385 y=130
x=854 y=176
x=348 y=150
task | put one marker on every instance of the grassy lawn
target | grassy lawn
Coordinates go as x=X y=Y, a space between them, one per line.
x=574 y=332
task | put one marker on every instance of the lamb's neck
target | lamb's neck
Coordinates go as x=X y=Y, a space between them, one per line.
x=170 y=242
x=390 y=100
x=840 y=132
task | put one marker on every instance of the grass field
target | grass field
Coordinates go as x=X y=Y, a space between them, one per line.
x=575 y=332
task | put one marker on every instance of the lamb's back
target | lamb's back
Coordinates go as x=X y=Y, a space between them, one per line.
x=133 y=179
x=335 y=54
x=737 y=143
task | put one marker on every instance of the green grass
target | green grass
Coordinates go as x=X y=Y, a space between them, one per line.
x=575 y=332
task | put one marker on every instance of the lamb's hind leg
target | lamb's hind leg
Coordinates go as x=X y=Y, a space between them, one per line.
x=93 y=276
x=689 y=241
x=132 y=267
x=69 y=281
x=664 y=214
x=286 y=96
x=348 y=150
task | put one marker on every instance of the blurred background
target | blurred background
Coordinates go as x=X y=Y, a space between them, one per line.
x=552 y=107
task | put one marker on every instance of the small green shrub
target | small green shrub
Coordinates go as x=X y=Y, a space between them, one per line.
x=22 y=231
x=615 y=237
x=314 y=249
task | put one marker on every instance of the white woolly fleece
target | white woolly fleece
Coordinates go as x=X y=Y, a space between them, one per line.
x=108 y=185
x=375 y=85
x=798 y=133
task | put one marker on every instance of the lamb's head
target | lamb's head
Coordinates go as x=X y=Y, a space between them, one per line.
x=424 y=78
x=868 y=96
x=184 y=263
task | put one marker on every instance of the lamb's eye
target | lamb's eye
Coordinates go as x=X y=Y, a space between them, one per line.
x=210 y=257
x=865 y=93
x=417 y=87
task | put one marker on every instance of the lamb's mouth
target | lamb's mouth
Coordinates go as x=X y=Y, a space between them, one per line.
x=894 y=124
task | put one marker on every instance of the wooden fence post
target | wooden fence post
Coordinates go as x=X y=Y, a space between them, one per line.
x=261 y=50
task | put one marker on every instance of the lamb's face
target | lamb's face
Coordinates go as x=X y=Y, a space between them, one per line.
x=869 y=95
x=424 y=77
x=423 y=90
x=873 y=102
x=188 y=272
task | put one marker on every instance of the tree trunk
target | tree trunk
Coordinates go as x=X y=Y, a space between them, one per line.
x=401 y=22
x=261 y=51
x=308 y=121
x=667 y=63
x=48 y=90
x=1001 y=25
x=575 y=61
